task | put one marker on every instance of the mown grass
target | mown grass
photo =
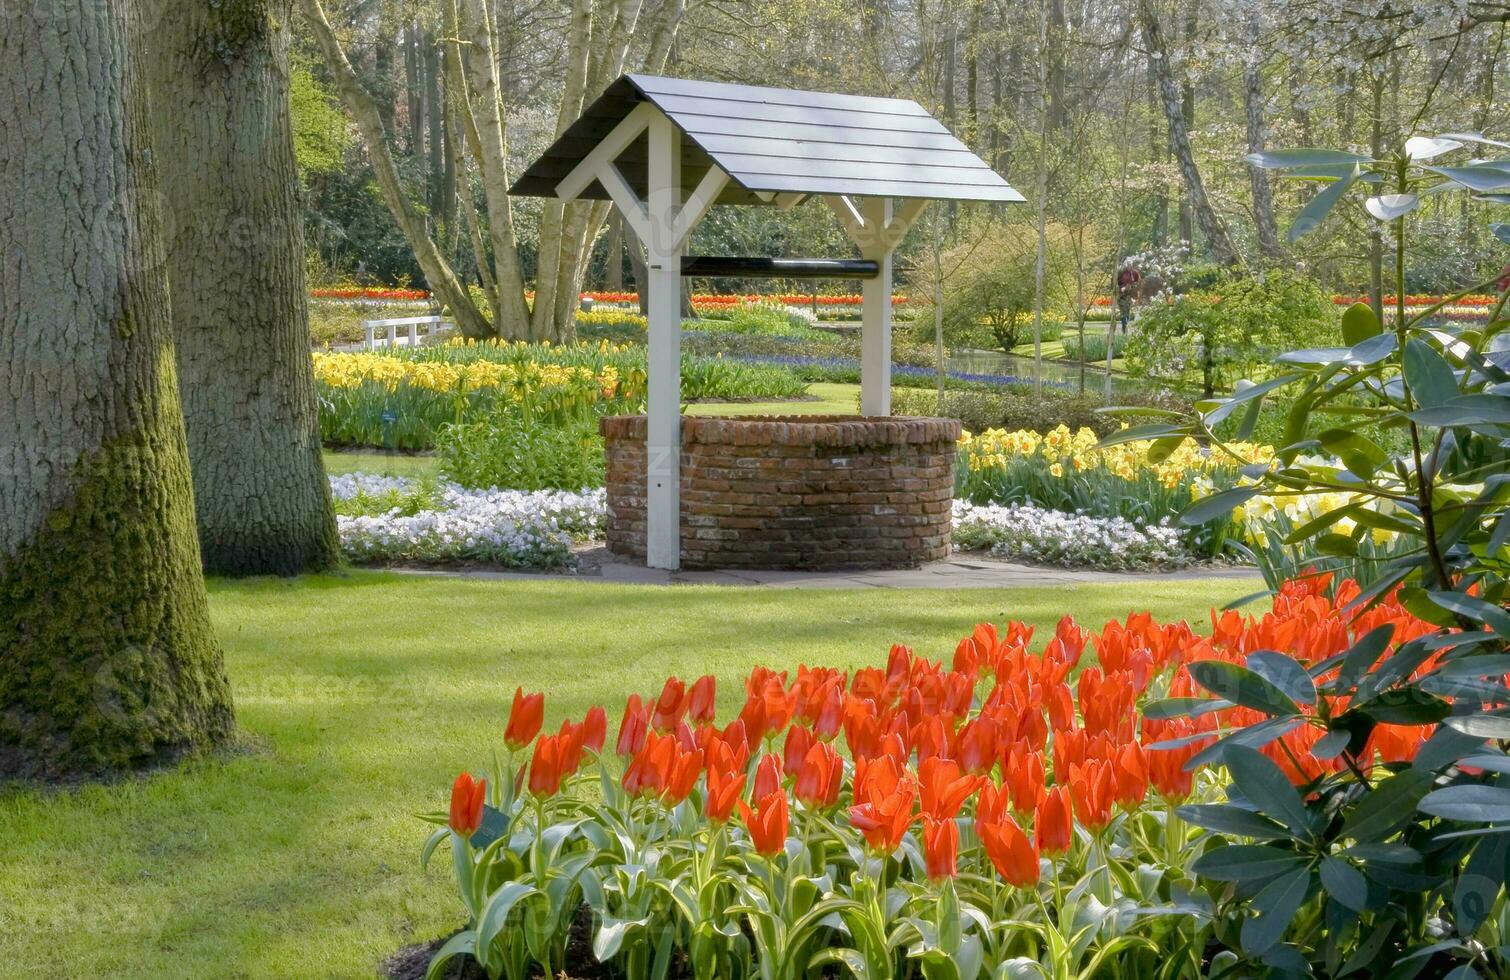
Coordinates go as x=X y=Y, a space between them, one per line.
x=360 y=696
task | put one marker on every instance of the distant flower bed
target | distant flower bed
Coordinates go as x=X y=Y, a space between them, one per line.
x=504 y=527
x=370 y=293
x=1051 y=537
x=732 y=299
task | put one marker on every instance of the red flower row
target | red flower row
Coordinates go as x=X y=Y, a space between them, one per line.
x=1039 y=750
x=369 y=292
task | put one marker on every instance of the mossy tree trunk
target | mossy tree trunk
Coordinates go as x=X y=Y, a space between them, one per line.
x=234 y=232
x=107 y=657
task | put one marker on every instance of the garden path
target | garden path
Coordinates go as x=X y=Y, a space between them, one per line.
x=958 y=572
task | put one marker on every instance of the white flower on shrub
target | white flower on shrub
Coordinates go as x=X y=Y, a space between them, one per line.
x=1059 y=538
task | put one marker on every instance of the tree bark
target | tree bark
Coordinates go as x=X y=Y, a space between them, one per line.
x=110 y=660
x=234 y=237
x=1258 y=178
x=1217 y=238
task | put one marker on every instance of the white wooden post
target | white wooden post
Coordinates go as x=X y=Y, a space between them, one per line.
x=370 y=330
x=413 y=335
x=663 y=437
x=392 y=334
x=875 y=315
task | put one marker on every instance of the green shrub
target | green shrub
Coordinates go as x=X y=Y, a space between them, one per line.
x=1209 y=339
x=1094 y=349
x=1020 y=408
x=514 y=451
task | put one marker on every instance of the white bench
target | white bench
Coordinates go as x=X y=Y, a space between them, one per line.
x=369 y=330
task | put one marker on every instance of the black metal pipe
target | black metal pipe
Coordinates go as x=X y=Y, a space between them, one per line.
x=717 y=266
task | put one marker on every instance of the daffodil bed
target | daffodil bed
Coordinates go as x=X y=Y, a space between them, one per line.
x=1015 y=814
x=400 y=399
x=1065 y=471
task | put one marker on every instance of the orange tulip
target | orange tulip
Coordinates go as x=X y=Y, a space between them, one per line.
x=467 y=797
x=1093 y=794
x=633 y=727
x=595 y=728
x=1130 y=776
x=884 y=801
x=1013 y=855
x=944 y=790
x=701 y=699
x=819 y=776
x=798 y=741
x=940 y=847
x=767 y=823
x=830 y=709
x=547 y=762
x=670 y=706
x=724 y=789
x=682 y=778
x=767 y=775
x=525 y=719
x=1023 y=776
x=1053 y=828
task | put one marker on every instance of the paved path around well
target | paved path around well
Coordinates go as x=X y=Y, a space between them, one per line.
x=958 y=572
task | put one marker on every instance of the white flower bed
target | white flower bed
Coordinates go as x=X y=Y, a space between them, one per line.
x=507 y=527
x=1056 y=538
x=537 y=529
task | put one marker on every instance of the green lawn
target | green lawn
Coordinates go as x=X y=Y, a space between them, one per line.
x=360 y=697
x=385 y=464
x=832 y=399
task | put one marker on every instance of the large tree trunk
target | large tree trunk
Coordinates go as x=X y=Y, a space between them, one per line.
x=1217 y=238
x=234 y=235
x=110 y=662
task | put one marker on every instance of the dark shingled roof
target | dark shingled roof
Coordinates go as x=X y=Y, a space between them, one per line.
x=778 y=140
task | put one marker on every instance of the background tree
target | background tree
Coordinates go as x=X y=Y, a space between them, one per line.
x=219 y=78
x=110 y=661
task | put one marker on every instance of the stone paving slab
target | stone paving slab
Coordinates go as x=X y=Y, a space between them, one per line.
x=958 y=572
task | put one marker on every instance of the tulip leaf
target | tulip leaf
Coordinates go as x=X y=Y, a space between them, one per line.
x=1476 y=178
x=1427 y=147
x=1267 y=787
x=1480 y=884
x=462 y=942
x=1469 y=802
x=1243 y=687
x=1303 y=157
x=1483 y=724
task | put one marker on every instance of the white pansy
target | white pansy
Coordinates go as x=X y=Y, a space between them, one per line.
x=1059 y=538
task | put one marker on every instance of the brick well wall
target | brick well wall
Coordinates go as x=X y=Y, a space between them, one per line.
x=815 y=492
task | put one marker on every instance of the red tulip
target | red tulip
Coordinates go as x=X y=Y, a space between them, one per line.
x=595 y=728
x=1092 y=792
x=670 y=706
x=546 y=764
x=798 y=741
x=467 y=797
x=525 y=719
x=767 y=776
x=990 y=806
x=975 y=746
x=570 y=739
x=1053 y=827
x=830 y=709
x=767 y=823
x=633 y=727
x=724 y=789
x=884 y=800
x=682 y=778
x=944 y=790
x=940 y=847
x=1010 y=851
x=701 y=699
x=819 y=776
x=1130 y=776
